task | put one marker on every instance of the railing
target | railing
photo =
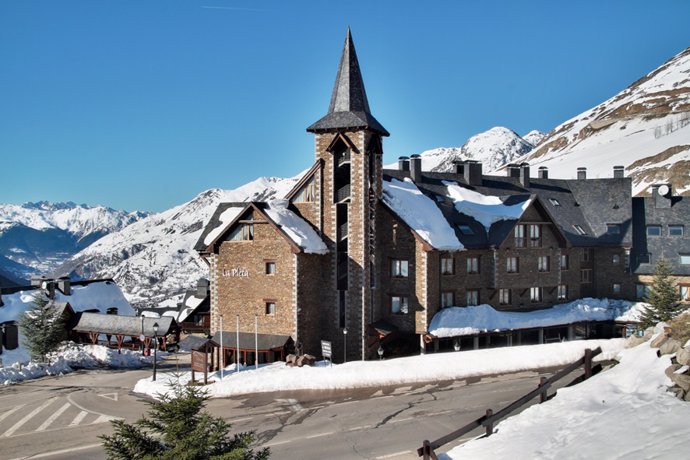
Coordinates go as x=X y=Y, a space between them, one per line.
x=489 y=419
x=343 y=193
x=342 y=231
x=344 y=158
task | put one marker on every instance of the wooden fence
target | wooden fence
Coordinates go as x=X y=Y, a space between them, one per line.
x=490 y=418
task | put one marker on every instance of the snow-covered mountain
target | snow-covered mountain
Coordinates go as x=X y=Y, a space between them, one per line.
x=153 y=259
x=645 y=128
x=494 y=148
x=37 y=237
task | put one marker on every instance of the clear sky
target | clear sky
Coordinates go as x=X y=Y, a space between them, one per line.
x=142 y=104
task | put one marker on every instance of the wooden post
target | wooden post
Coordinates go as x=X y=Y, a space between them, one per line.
x=541 y=335
x=427 y=452
x=475 y=341
x=542 y=395
x=489 y=426
x=588 y=363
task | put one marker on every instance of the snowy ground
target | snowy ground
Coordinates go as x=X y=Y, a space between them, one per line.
x=624 y=412
x=360 y=374
x=69 y=358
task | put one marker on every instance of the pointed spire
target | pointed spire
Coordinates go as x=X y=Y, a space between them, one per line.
x=349 y=107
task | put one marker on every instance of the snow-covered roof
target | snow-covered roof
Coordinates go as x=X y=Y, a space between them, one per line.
x=458 y=321
x=189 y=306
x=420 y=213
x=224 y=219
x=296 y=228
x=485 y=209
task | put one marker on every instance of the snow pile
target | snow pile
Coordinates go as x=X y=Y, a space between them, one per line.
x=415 y=369
x=299 y=231
x=485 y=209
x=420 y=213
x=458 y=321
x=624 y=412
x=67 y=359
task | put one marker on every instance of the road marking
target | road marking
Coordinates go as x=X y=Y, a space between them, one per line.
x=396 y=454
x=27 y=417
x=363 y=427
x=52 y=418
x=320 y=435
x=63 y=451
x=77 y=420
x=103 y=419
x=111 y=396
x=278 y=443
x=398 y=420
x=10 y=412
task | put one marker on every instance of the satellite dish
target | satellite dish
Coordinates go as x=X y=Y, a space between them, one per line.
x=663 y=190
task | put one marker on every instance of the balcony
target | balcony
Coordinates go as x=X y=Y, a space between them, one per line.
x=344 y=158
x=343 y=231
x=343 y=194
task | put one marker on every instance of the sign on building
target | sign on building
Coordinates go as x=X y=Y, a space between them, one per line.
x=326 y=349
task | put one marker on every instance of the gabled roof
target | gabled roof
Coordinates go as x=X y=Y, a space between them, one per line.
x=349 y=107
x=124 y=325
x=305 y=178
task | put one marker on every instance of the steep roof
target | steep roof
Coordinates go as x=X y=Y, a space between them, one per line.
x=349 y=107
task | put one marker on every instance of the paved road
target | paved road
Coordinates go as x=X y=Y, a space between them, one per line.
x=61 y=417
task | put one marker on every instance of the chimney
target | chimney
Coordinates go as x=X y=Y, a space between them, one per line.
x=49 y=288
x=618 y=172
x=472 y=172
x=661 y=194
x=543 y=172
x=459 y=167
x=581 y=173
x=202 y=288
x=65 y=285
x=37 y=281
x=514 y=170
x=404 y=163
x=524 y=174
x=416 y=167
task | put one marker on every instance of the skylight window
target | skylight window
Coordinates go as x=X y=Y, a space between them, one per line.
x=554 y=202
x=465 y=229
x=579 y=229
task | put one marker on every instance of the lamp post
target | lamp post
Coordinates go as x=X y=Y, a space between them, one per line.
x=380 y=352
x=256 y=341
x=237 y=348
x=155 y=348
x=222 y=350
x=344 y=345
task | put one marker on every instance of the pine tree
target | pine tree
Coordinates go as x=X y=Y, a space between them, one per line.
x=178 y=428
x=663 y=296
x=42 y=327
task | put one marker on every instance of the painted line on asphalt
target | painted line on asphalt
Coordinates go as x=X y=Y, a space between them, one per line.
x=27 y=417
x=77 y=420
x=357 y=428
x=10 y=412
x=398 y=420
x=78 y=406
x=59 y=452
x=53 y=417
x=278 y=443
x=320 y=435
x=396 y=454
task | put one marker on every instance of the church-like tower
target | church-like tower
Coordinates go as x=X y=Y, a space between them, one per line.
x=348 y=144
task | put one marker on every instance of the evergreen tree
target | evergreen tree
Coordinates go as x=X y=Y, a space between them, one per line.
x=177 y=428
x=43 y=328
x=663 y=296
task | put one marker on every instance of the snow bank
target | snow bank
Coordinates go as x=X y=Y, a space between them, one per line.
x=421 y=214
x=457 y=321
x=485 y=209
x=400 y=371
x=624 y=412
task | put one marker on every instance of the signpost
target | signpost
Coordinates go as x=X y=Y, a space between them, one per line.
x=200 y=364
x=326 y=350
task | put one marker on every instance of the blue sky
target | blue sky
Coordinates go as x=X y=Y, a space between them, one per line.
x=142 y=104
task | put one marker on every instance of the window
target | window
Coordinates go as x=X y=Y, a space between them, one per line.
x=512 y=265
x=543 y=263
x=616 y=259
x=307 y=194
x=554 y=202
x=399 y=305
x=270 y=268
x=616 y=288
x=472 y=265
x=270 y=308
x=440 y=198
x=586 y=254
x=579 y=230
x=519 y=233
x=613 y=229
x=242 y=232
x=465 y=229
x=399 y=268
x=653 y=230
x=562 y=292
x=472 y=297
x=684 y=259
x=504 y=296
x=447 y=266
x=586 y=276
x=644 y=258
x=564 y=261
x=641 y=291
x=447 y=299
x=675 y=230
x=535 y=294
x=684 y=292
x=535 y=236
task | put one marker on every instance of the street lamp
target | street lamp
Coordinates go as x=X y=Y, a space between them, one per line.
x=344 y=345
x=155 y=348
x=380 y=352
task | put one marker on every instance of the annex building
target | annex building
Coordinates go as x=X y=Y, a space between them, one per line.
x=356 y=253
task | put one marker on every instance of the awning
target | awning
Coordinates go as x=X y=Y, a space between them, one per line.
x=248 y=341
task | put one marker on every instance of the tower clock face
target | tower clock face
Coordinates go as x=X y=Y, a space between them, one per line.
x=663 y=190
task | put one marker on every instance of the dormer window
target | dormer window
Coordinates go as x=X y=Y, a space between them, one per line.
x=613 y=229
x=465 y=229
x=554 y=202
x=675 y=230
x=579 y=230
x=653 y=230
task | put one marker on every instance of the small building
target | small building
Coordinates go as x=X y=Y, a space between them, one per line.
x=139 y=330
